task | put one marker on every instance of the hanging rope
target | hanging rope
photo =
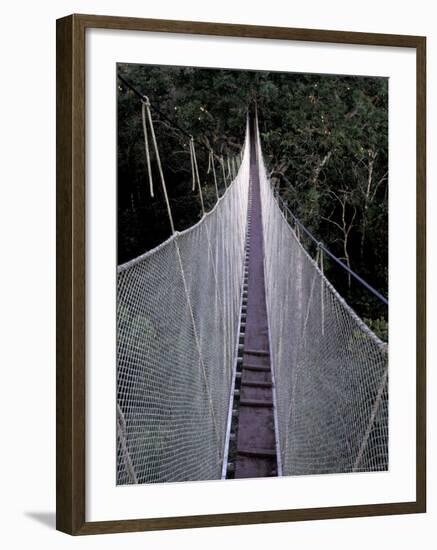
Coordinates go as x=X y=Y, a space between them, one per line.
x=146 y=145
x=146 y=110
x=322 y=285
x=211 y=166
x=222 y=162
x=195 y=170
x=229 y=169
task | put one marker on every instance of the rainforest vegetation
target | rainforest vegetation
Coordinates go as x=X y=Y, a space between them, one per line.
x=325 y=142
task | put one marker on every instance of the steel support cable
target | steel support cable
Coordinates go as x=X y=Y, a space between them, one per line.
x=320 y=245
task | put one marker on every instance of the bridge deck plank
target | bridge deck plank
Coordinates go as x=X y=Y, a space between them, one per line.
x=255 y=422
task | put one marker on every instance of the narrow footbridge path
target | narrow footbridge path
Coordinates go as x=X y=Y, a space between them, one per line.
x=236 y=357
x=256 y=448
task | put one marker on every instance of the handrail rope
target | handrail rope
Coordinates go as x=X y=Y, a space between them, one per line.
x=330 y=254
x=382 y=345
x=141 y=257
x=320 y=245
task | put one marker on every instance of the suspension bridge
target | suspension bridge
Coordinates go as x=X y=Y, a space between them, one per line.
x=236 y=357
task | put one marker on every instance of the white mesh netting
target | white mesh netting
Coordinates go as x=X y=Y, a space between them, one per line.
x=330 y=369
x=178 y=309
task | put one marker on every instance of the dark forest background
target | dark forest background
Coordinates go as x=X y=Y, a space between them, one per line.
x=325 y=142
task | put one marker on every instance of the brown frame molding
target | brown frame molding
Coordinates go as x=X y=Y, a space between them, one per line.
x=70 y=274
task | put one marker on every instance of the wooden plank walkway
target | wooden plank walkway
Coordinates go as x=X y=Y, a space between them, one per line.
x=255 y=446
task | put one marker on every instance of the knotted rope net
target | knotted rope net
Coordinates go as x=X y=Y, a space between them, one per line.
x=178 y=308
x=330 y=369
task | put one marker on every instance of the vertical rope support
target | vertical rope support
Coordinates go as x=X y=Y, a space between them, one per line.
x=222 y=162
x=372 y=419
x=198 y=346
x=196 y=172
x=310 y=299
x=121 y=425
x=322 y=287
x=146 y=145
x=158 y=160
x=229 y=169
x=211 y=166
x=193 y=172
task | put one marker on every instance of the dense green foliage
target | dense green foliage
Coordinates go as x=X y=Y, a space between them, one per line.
x=325 y=143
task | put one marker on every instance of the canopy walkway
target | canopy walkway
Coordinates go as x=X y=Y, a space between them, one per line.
x=256 y=453
x=236 y=357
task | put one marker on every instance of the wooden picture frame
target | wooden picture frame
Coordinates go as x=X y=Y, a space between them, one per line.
x=71 y=247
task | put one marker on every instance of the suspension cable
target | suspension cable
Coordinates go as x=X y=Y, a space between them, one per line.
x=320 y=245
x=161 y=114
x=194 y=167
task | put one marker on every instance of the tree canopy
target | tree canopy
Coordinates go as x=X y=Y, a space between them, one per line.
x=325 y=141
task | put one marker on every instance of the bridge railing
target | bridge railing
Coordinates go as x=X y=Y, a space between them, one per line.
x=331 y=370
x=177 y=318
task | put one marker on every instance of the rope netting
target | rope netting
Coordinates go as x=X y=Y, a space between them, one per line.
x=330 y=369
x=178 y=308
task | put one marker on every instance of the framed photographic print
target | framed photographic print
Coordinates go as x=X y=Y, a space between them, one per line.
x=240 y=274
